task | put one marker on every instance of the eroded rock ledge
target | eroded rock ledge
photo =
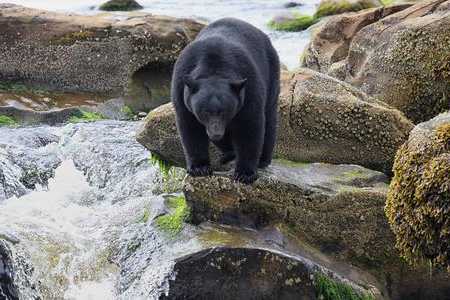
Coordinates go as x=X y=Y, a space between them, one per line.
x=336 y=209
x=87 y=53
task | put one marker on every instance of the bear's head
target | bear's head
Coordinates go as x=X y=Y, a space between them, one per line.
x=214 y=102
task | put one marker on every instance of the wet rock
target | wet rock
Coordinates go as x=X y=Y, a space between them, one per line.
x=27 y=160
x=298 y=194
x=246 y=273
x=28 y=117
x=321 y=119
x=336 y=209
x=418 y=201
x=99 y=53
x=16 y=275
x=403 y=60
x=335 y=7
x=120 y=5
x=292 y=4
x=330 y=41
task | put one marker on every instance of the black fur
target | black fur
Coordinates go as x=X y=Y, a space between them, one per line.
x=225 y=88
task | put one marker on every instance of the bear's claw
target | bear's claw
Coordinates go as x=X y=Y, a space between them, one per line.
x=200 y=171
x=245 y=178
x=227 y=157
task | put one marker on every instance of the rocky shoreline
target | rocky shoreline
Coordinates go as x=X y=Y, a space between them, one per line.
x=361 y=176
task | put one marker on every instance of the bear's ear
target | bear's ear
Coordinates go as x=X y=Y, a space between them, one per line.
x=238 y=87
x=190 y=83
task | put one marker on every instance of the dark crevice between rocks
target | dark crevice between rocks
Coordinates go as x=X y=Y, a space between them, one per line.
x=149 y=87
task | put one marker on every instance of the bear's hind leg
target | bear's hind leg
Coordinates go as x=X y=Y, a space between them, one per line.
x=269 y=138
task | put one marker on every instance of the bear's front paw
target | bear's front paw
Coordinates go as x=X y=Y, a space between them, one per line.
x=200 y=171
x=246 y=178
x=227 y=157
x=264 y=164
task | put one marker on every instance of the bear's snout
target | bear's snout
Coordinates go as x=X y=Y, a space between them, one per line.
x=215 y=129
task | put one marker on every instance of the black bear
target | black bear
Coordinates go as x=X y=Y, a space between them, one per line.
x=225 y=89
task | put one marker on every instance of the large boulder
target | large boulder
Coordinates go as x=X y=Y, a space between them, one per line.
x=249 y=273
x=418 y=205
x=325 y=120
x=321 y=119
x=335 y=7
x=404 y=60
x=335 y=209
x=330 y=40
x=99 y=53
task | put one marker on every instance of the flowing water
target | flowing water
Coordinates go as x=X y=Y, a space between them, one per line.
x=79 y=203
x=257 y=12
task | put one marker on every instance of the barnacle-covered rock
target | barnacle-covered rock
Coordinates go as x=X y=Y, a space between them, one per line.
x=101 y=53
x=321 y=119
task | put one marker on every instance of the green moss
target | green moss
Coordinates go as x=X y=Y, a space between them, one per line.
x=72 y=37
x=85 y=116
x=290 y=163
x=300 y=22
x=164 y=166
x=120 y=5
x=20 y=88
x=7 y=121
x=127 y=111
x=334 y=7
x=145 y=216
x=387 y=2
x=173 y=222
x=329 y=289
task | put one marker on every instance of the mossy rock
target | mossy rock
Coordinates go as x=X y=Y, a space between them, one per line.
x=335 y=7
x=120 y=5
x=292 y=22
x=418 y=203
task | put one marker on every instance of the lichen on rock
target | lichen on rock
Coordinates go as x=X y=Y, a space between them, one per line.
x=418 y=201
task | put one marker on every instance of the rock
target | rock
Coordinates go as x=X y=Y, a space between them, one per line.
x=330 y=41
x=246 y=273
x=335 y=7
x=120 y=5
x=101 y=53
x=404 y=60
x=291 y=21
x=336 y=209
x=292 y=4
x=16 y=275
x=325 y=120
x=418 y=202
x=30 y=117
x=297 y=194
x=320 y=120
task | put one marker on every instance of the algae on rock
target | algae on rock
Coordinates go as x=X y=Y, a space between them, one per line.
x=418 y=204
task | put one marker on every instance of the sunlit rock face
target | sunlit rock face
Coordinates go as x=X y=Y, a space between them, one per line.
x=101 y=53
